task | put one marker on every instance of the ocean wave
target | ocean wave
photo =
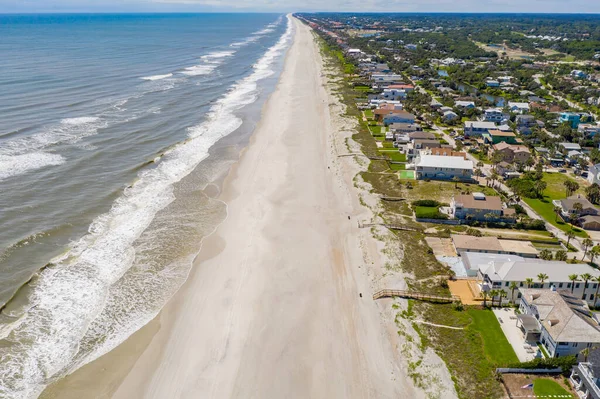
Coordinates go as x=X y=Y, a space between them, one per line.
x=210 y=62
x=157 y=77
x=78 y=299
x=23 y=154
x=14 y=165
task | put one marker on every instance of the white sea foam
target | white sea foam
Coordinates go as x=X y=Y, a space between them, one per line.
x=72 y=301
x=23 y=154
x=13 y=165
x=210 y=62
x=157 y=77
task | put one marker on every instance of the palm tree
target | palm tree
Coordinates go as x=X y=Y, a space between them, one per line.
x=546 y=254
x=529 y=282
x=503 y=295
x=585 y=277
x=587 y=243
x=573 y=278
x=597 y=281
x=561 y=255
x=494 y=176
x=577 y=207
x=484 y=294
x=594 y=252
x=492 y=295
x=456 y=180
x=557 y=211
x=513 y=287
x=542 y=277
x=570 y=234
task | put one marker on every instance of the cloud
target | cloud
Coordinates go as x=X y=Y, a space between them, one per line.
x=514 y=6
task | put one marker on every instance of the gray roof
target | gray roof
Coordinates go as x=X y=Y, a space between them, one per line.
x=513 y=268
x=570 y=146
x=567 y=203
x=566 y=317
x=442 y=161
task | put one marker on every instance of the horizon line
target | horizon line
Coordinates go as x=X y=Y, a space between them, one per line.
x=295 y=12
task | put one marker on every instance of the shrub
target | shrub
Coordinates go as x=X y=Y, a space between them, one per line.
x=429 y=203
x=565 y=363
x=473 y=232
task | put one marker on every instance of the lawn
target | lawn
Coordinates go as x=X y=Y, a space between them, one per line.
x=369 y=113
x=497 y=347
x=545 y=388
x=555 y=190
x=442 y=191
x=429 y=212
x=407 y=174
x=393 y=154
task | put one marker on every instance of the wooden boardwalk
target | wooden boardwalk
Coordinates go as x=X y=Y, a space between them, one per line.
x=415 y=295
x=389 y=226
x=373 y=158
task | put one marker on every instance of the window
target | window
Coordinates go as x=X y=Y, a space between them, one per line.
x=520 y=285
x=574 y=345
x=577 y=285
x=568 y=285
x=507 y=284
x=560 y=285
x=583 y=297
x=595 y=285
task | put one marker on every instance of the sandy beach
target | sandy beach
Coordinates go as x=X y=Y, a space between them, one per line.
x=272 y=307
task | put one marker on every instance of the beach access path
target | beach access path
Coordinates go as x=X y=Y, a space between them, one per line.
x=272 y=308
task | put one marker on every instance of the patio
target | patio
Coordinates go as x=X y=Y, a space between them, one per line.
x=508 y=322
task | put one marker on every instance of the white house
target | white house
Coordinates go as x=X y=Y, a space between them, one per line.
x=393 y=94
x=494 y=115
x=499 y=271
x=477 y=128
x=441 y=167
x=465 y=104
x=565 y=324
x=450 y=115
x=518 y=107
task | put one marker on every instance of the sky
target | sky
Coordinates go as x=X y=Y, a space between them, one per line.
x=535 y=6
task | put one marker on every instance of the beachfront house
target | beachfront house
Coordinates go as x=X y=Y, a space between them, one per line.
x=398 y=117
x=480 y=207
x=492 y=245
x=441 y=167
x=499 y=269
x=559 y=320
x=588 y=129
x=568 y=210
x=585 y=376
x=497 y=136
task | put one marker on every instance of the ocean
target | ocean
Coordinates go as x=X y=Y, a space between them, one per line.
x=116 y=132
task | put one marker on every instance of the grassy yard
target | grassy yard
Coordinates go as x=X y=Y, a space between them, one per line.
x=545 y=388
x=393 y=154
x=555 y=190
x=369 y=113
x=442 y=191
x=497 y=347
x=428 y=212
x=479 y=348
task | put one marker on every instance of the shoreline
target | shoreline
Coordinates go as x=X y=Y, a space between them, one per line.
x=154 y=361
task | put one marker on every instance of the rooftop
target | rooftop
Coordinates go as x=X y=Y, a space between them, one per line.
x=441 y=161
x=487 y=202
x=500 y=133
x=566 y=317
x=500 y=267
x=568 y=203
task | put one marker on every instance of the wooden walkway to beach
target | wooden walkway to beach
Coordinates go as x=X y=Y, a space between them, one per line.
x=389 y=226
x=420 y=296
x=373 y=158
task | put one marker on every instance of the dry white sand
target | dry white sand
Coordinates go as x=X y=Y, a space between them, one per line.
x=272 y=307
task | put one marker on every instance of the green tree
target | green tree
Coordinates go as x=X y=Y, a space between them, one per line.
x=592 y=193
x=570 y=187
x=456 y=180
x=578 y=207
x=585 y=277
x=542 y=277
x=557 y=212
x=513 y=287
x=539 y=186
x=529 y=282
x=546 y=254
x=573 y=278
x=570 y=235
x=594 y=252
x=587 y=243
x=597 y=281
x=560 y=255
